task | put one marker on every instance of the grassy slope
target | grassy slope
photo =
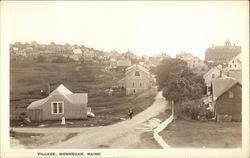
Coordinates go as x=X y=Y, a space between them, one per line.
x=196 y=134
x=27 y=78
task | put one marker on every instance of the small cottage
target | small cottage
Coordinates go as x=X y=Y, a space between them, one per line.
x=227 y=98
x=60 y=103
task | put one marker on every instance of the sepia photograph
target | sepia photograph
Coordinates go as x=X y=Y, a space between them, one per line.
x=124 y=79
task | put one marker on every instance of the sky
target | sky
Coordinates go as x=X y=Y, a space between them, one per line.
x=143 y=27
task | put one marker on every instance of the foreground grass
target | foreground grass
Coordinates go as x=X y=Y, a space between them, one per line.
x=27 y=78
x=196 y=134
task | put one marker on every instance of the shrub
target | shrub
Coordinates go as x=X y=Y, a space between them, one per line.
x=194 y=113
x=209 y=114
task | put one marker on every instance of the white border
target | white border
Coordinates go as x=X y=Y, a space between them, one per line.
x=4 y=100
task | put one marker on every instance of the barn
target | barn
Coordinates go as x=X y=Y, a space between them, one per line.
x=60 y=103
x=227 y=98
x=137 y=79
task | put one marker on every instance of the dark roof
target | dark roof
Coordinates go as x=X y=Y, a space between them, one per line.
x=222 y=85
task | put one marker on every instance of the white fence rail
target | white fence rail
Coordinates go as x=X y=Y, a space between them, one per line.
x=161 y=127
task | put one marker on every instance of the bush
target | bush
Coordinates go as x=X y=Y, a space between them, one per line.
x=194 y=113
x=209 y=114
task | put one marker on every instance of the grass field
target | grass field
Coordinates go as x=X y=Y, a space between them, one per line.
x=196 y=134
x=27 y=78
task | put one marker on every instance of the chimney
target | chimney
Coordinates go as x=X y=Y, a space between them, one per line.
x=48 y=88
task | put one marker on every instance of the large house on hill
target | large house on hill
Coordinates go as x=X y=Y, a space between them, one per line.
x=60 y=103
x=227 y=98
x=137 y=79
x=222 y=54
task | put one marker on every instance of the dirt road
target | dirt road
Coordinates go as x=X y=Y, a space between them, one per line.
x=121 y=135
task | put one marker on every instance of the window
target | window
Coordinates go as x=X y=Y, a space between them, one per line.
x=213 y=76
x=137 y=73
x=140 y=84
x=230 y=66
x=231 y=94
x=235 y=66
x=57 y=107
x=233 y=61
x=133 y=84
x=134 y=91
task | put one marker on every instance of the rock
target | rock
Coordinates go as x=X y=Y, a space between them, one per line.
x=42 y=125
x=123 y=119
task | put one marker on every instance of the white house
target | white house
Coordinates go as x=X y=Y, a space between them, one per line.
x=77 y=51
x=235 y=63
x=213 y=73
x=15 y=48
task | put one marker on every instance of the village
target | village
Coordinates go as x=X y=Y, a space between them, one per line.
x=65 y=95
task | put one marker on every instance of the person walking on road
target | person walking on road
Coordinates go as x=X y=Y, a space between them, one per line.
x=130 y=113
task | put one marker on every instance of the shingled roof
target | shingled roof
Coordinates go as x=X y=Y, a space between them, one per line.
x=74 y=98
x=221 y=85
x=137 y=66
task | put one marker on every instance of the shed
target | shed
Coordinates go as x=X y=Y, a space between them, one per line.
x=60 y=103
x=227 y=98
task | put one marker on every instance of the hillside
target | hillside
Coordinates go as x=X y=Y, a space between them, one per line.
x=28 y=78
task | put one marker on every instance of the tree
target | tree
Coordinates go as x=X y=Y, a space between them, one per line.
x=177 y=81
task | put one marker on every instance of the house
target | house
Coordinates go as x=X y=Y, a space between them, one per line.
x=77 y=51
x=213 y=73
x=129 y=54
x=235 y=63
x=21 y=53
x=236 y=75
x=137 y=79
x=60 y=103
x=196 y=63
x=123 y=63
x=222 y=54
x=15 y=48
x=184 y=56
x=227 y=98
x=113 y=63
x=75 y=57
